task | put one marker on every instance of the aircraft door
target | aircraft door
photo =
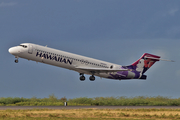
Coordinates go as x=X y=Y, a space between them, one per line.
x=30 y=49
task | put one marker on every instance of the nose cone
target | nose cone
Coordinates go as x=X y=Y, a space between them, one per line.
x=13 y=50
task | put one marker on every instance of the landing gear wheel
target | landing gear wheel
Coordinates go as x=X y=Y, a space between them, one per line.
x=16 y=61
x=92 y=78
x=82 y=78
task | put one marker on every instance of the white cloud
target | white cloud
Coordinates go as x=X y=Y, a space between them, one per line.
x=173 y=11
x=2 y=4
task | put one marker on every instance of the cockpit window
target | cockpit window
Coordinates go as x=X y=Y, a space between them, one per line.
x=24 y=46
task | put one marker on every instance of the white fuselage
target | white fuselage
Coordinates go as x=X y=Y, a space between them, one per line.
x=63 y=59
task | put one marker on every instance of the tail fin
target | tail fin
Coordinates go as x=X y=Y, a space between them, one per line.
x=145 y=62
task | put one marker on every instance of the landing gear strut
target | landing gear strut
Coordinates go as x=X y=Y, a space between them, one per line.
x=82 y=77
x=92 y=78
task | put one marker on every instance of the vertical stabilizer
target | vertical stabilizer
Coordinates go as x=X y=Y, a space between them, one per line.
x=145 y=62
x=142 y=65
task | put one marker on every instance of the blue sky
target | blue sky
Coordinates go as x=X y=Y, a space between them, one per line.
x=117 y=31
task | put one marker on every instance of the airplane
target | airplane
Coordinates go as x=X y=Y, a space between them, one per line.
x=84 y=65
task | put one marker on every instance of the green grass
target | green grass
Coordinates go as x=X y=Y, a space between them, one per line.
x=82 y=101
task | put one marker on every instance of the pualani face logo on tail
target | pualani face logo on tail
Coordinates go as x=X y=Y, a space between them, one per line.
x=145 y=62
x=55 y=58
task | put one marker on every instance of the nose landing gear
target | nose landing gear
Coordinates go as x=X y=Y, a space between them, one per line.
x=16 y=60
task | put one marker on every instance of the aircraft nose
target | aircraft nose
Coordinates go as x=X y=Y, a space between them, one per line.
x=13 y=50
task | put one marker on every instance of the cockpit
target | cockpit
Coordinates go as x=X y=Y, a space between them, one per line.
x=24 y=46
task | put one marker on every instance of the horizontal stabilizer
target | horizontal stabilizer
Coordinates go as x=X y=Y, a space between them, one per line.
x=167 y=60
x=159 y=59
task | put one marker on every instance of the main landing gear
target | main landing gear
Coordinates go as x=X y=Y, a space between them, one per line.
x=92 y=78
x=82 y=77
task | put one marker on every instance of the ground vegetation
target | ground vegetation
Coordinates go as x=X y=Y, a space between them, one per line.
x=52 y=100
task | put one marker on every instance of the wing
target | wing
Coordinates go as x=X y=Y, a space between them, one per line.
x=100 y=70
